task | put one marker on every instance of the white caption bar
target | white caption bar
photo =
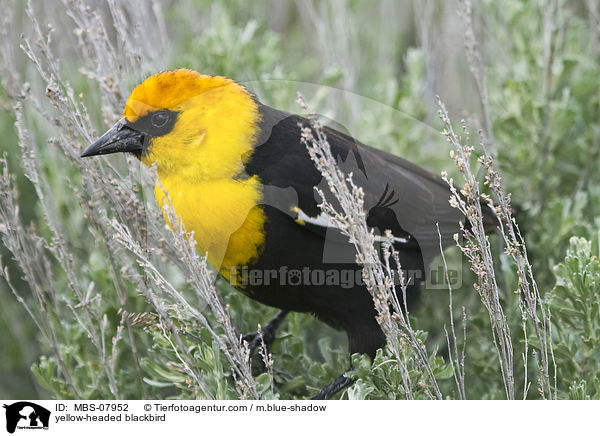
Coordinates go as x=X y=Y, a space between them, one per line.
x=166 y=418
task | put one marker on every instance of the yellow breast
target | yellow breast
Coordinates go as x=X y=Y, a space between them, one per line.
x=224 y=216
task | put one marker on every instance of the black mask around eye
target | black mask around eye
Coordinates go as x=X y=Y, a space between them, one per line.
x=156 y=123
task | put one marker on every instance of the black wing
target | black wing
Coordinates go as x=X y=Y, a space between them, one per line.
x=400 y=196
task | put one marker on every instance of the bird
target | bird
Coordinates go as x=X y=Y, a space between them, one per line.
x=238 y=175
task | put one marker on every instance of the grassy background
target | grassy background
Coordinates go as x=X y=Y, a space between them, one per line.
x=375 y=68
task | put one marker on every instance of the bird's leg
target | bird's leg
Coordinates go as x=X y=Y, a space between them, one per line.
x=266 y=334
x=333 y=388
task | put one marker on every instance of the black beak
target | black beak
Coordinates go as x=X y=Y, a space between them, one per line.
x=119 y=138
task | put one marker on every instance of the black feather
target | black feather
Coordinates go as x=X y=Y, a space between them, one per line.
x=401 y=197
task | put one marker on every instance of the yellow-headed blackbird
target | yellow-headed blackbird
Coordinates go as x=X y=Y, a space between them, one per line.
x=240 y=178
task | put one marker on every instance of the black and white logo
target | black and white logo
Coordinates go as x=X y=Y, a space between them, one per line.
x=26 y=415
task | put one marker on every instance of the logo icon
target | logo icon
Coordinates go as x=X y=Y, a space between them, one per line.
x=26 y=415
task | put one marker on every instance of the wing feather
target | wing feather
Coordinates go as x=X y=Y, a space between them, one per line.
x=400 y=196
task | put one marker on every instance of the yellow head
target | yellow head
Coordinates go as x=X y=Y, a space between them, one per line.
x=199 y=126
x=198 y=130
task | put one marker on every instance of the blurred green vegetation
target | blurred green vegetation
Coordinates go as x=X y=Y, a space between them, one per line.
x=389 y=60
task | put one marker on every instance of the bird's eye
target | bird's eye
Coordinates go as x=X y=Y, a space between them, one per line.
x=155 y=124
x=159 y=119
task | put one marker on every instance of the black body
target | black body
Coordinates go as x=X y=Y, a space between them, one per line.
x=400 y=197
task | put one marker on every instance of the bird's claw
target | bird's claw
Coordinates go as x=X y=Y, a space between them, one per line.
x=265 y=335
